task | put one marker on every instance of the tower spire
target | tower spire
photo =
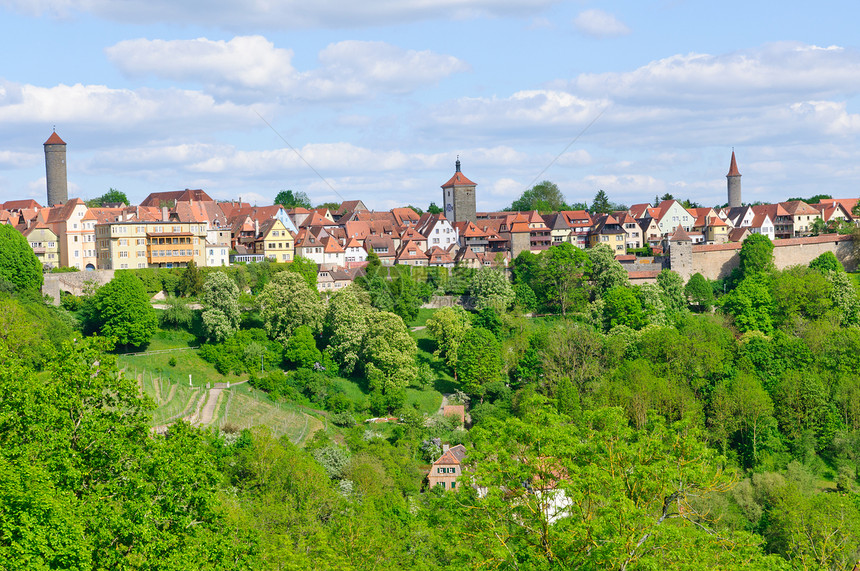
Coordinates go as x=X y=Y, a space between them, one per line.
x=457 y=164
x=734 y=183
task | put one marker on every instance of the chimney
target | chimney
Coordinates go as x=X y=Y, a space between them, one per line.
x=445 y=448
x=256 y=227
x=164 y=214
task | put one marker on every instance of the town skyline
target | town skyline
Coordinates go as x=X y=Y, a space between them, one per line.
x=634 y=100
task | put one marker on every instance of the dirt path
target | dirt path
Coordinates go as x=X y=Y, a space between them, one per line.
x=211 y=406
x=444 y=403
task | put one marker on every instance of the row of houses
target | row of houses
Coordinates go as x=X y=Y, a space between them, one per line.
x=170 y=229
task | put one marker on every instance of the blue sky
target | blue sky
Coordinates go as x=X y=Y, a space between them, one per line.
x=381 y=96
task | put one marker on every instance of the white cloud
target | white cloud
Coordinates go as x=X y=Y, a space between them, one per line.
x=748 y=78
x=250 y=65
x=600 y=24
x=14 y=160
x=280 y=14
x=135 y=114
x=246 y=62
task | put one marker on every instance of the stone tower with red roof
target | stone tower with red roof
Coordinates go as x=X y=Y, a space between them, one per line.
x=55 y=170
x=734 y=183
x=458 y=197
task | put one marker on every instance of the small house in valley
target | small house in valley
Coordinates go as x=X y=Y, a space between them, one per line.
x=448 y=468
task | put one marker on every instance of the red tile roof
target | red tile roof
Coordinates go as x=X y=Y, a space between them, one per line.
x=733 y=167
x=459 y=179
x=55 y=139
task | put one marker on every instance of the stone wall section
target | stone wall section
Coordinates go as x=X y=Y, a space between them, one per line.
x=74 y=282
x=715 y=261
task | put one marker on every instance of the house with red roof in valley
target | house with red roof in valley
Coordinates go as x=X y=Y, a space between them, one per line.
x=348 y=207
x=438 y=231
x=383 y=247
x=847 y=204
x=405 y=216
x=446 y=471
x=354 y=252
x=410 y=234
x=802 y=215
x=833 y=214
x=441 y=258
x=410 y=254
x=669 y=214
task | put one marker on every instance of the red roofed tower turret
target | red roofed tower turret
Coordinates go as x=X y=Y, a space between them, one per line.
x=734 y=183
x=55 y=170
x=458 y=196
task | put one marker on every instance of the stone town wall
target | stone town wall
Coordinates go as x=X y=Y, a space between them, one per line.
x=716 y=261
x=74 y=282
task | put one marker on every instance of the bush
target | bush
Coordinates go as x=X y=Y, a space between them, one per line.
x=344 y=419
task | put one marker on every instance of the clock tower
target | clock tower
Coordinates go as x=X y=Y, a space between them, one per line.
x=458 y=197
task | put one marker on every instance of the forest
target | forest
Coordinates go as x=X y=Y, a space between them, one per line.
x=706 y=424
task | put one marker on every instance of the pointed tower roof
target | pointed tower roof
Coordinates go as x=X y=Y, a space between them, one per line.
x=733 y=168
x=54 y=139
x=459 y=179
x=680 y=235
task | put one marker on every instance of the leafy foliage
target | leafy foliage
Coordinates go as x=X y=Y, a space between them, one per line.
x=287 y=302
x=220 y=307
x=18 y=264
x=120 y=309
x=291 y=199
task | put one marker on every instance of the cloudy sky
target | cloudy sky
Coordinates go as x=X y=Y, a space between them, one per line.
x=375 y=99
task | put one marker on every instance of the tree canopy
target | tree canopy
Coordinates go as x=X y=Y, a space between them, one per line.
x=120 y=309
x=293 y=199
x=544 y=197
x=18 y=264
x=112 y=196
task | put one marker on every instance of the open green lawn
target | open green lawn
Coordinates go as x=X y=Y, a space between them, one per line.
x=443 y=380
x=428 y=400
x=177 y=345
x=422 y=317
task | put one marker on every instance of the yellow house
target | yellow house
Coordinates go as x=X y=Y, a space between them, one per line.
x=44 y=242
x=134 y=244
x=274 y=241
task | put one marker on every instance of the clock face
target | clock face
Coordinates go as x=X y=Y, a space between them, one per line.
x=449 y=207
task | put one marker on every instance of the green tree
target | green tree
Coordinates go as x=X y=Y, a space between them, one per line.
x=799 y=292
x=600 y=204
x=18 y=264
x=291 y=199
x=191 y=282
x=121 y=309
x=562 y=273
x=389 y=353
x=287 y=302
x=599 y=495
x=492 y=288
x=622 y=307
x=306 y=268
x=479 y=360
x=700 y=293
x=301 y=349
x=606 y=271
x=826 y=262
x=346 y=325
x=751 y=305
x=544 y=197
x=221 y=313
x=756 y=255
x=112 y=196
x=433 y=209
x=672 y=286
x=449 y=326
x=846 y=301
